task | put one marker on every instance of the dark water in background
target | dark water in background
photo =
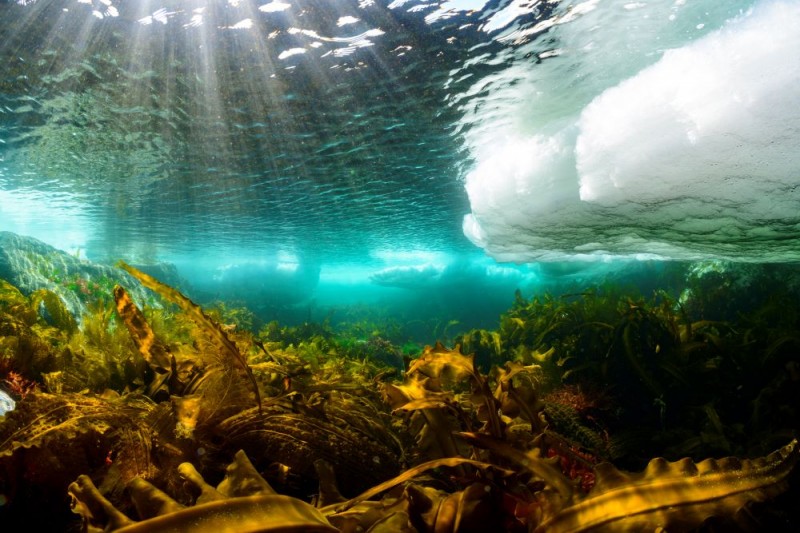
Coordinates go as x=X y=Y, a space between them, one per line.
x=308 y=153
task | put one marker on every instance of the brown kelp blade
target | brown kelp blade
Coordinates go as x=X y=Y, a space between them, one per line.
x=260 y=513
x=154 y=351
x=216 y=334
x=250 y=514
x=677 y=495
x=449 y=365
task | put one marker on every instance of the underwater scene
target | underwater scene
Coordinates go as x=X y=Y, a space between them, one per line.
x=399 y=266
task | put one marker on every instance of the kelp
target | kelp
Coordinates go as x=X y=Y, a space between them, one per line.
x=618 y=501
x=50 y=439
x=435 y=388
x=14 y=303
x=678 y=495
x=449 y=366
x=294 y=432
x=452 y=447
x=659 y=366
x=242 y=502
x=217 y=335
x=100 y=354
x=423 y=508
x=155 y=353
x=56 y=313
x=30 y=327
x=40 y=342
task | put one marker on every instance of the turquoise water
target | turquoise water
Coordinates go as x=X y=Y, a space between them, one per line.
x=351 y=151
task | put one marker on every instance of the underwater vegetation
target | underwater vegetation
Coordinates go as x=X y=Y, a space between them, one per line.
x=653 y=377
x=598 y=411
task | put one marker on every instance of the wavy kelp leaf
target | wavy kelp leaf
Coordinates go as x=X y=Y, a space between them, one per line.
x=470 y=509
x=328 y=489
x=261 y=513
x=451 y=366
x=42 y=419
x=242 y=479
x=667 y=495
x=295 y=434
x=215 y=333
x=517 y=392
x=153 y=350
x=486 y=345
x=58 y=314
x=442 y=402
x=93 y=507
x=242 y=502
x=50 y=439
x=395 y=522
x=678 y=494
x=435 y=438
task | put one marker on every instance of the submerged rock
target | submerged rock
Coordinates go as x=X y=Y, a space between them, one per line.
x=30 y=264
x=6 y=403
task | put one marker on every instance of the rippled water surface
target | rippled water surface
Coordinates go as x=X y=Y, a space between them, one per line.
x=341 y=131
x=164 y=128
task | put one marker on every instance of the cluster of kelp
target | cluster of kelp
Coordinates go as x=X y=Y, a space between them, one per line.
x=653 y=380
x=166 y=419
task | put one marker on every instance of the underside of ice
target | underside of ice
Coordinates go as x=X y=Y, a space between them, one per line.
x=695 y=156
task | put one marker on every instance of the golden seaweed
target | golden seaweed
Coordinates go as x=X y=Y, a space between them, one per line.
x=214 y=331
x=157 y=355
x=50 y=439
x=295 y=434
x=57 y=312
x=680 y=494
x=242 y=502
x=451 y=449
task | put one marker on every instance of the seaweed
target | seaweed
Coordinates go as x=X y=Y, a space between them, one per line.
x=27 y=337
x=522 y=444
x=155 y=353
x=243 y=501
x=50 y=439
x=214 y=332
x=680 y=495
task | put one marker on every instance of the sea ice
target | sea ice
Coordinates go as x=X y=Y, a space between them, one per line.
x=695 y=156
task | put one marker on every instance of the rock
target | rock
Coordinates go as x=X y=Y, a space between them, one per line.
x=6 y=403
x=30 y=264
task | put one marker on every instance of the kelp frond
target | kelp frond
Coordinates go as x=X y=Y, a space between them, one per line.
x=214 y=331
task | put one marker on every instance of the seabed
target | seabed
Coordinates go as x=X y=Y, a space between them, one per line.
x=596 y=411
